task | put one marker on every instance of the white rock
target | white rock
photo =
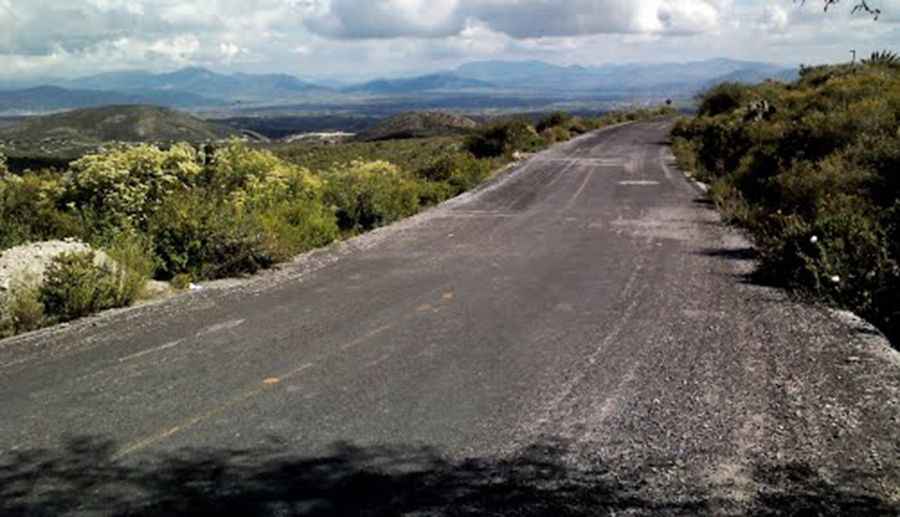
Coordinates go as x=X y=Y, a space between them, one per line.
x=29 y=261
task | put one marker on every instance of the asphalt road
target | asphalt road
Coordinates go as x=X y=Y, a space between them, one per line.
x=579 y=337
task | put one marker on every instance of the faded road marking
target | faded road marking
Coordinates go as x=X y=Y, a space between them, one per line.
x=219 y=327
x=160 y=348
x=366 y=337
x=639 y=183
x=596 y=162
x=580 y=190
x=187 y=424
x=664 y=154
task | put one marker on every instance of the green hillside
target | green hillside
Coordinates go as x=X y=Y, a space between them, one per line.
x=419 y=125
x=810 y=169
x=118 y=123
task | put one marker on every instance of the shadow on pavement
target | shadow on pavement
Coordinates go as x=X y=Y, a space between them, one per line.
x=746 y=253
x=83 y=477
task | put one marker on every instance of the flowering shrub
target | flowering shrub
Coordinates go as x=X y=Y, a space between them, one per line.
x=128 y=185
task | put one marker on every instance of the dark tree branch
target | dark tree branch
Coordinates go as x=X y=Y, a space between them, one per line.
x=861 y=6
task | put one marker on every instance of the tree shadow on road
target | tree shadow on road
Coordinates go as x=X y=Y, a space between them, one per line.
x=84 y=477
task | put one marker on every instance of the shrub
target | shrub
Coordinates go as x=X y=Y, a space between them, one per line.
x=365 y=195
x=293 y=227
x=432 y=193
x=21 y=309
x=503 y=139
x=251 y=172
x=4 y=170
x=557 y=119
x=685 y=154
x=29 y=211
x=128 y=185
x=883 y=58
x=77 y=285
x=135 y=263
x=556 y=134
x=181 y=281
x=724 y=98
x=461 y=171
x=197 y=233
x=810 y=170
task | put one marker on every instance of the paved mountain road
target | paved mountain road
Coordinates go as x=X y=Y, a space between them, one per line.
x=578 y=337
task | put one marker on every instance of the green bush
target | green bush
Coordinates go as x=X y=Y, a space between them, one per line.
x=461 y=171
x=293 y=227
x=135 y=264
x=128 y=185
x=21 y=309
x=810 y=169
x=556 y=134
x=30 y=211
x=367 y=195
x=723 y=98
x=76 y=285
x=197 y=233
x=239 y=169
x=503 y=139
x=557 y=119
x=432 y=193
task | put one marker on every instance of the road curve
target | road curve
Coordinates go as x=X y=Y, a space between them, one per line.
x=579 y=337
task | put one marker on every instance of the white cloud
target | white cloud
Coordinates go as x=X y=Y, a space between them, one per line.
x=774 y=19
x=179 y=49
x=230 y=51
x=517 y=18
x=388 y=18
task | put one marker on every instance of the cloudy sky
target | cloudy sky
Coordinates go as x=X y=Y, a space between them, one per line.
x=355 y=39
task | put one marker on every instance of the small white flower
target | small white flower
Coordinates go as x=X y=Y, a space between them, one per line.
x=814 y=239
x=835 y=279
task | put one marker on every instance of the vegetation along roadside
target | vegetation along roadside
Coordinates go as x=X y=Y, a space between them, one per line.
x=182 y=215
x=810 y=170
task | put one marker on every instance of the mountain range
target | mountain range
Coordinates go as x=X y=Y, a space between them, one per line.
x=193 y=88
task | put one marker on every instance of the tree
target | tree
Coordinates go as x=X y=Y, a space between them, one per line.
x=861 y=6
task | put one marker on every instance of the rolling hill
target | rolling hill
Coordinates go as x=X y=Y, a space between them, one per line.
x=117 y=123
x=419 y=125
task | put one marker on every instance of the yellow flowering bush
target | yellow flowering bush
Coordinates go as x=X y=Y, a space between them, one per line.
x=128 y=185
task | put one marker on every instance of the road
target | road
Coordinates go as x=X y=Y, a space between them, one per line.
x=579 y=337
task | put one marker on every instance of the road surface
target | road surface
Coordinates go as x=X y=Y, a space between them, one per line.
x=579 y=337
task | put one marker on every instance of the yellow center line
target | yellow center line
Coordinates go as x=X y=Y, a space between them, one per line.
x=268 y=385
